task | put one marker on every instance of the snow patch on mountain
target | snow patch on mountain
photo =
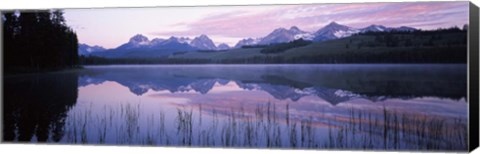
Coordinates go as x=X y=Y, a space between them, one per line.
x=342 y=34
x=84 y=49
x=247 y=41
x=304 y=36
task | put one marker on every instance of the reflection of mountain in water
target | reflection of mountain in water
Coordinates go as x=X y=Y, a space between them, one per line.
x=285 y=92
x=36 y=105
x=139 y=87
x=334 y=84
x=203 y=86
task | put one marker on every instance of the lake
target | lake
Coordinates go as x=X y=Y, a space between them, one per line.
x=354 y=106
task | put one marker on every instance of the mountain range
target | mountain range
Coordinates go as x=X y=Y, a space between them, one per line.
x=139 y=46
x=329 y=32
x=84 y=49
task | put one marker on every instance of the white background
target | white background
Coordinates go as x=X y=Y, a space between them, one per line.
x=74 y=149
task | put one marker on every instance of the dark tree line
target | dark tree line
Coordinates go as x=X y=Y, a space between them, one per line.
x=281 y=47
x=94 y=60
x=254 y=46
x=413 y=55
x=38 y=41
x=430 y=38
x=419 y=32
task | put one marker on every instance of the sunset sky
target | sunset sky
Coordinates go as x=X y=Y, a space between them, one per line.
x=228 y=24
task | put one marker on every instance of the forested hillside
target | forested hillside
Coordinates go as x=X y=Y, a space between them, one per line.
x=36 y=41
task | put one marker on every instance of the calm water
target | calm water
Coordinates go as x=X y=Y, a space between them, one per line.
x=413 y=107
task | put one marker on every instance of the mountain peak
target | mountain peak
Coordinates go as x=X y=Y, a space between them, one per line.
x=295 y=29
x=85 y=49
x=184 y=40
x=374 y=25
x=203 y=37
x=139 y=38
x=381 y=28
x=333 y=26
x=223 y=46
x=281 y=35
x=247 y=41
x=203 y=42
x=278 y=30
x=406 y=27
x=374 y=28
x=333 y=23
x=172 y=38
x=333 y=31
x=157 y=40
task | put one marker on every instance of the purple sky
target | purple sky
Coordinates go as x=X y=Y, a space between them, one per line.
x=228 y=24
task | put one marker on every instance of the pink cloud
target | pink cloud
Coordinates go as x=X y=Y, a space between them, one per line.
x=231 y=24
x=424 y=15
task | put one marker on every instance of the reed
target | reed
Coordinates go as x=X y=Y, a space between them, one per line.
x=268 y=126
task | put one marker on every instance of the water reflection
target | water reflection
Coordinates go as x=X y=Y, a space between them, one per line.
x=35 y=106
x=332 y=83
x=296 y=106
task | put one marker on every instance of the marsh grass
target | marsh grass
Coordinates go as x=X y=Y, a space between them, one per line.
x=268 y=125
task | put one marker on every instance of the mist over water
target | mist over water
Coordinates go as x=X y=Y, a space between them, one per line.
x=285 y=106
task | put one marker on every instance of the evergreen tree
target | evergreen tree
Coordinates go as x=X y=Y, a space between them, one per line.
x=38 y=41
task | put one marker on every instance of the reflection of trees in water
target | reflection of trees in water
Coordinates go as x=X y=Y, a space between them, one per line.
x=396 y=81
x=36 y=105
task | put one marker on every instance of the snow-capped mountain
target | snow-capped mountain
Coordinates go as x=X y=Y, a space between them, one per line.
x=137 y=41
x=380 y=28
x=247 y=41
x=185 y=40
x=84 y=49
x=202 y=42
x=404 y=28
x=331 y=31
x=141 y=47
x=223 y=46
x=304 y=36
x=334 y=31
x=374 y=28
x=156 y=41
x=281 y=35
x=172 y=43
